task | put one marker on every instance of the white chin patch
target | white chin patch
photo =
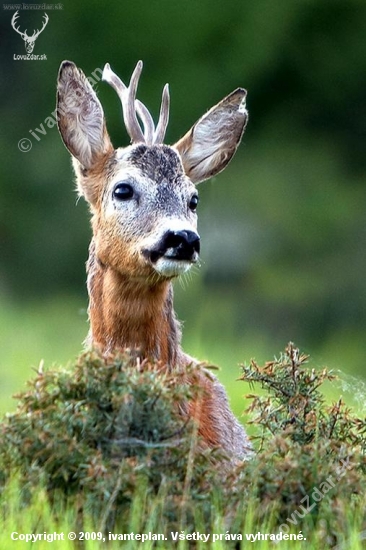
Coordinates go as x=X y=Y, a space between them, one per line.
x=171 y=268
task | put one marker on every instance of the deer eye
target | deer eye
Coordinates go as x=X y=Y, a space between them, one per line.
x=123 y=191
x=193 y=202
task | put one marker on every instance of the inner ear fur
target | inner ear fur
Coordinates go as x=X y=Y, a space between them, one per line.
x=81 y=123
x=207 y=148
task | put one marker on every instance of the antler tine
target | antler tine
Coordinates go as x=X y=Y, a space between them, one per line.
x=124 y=94
x=161 y=127
x=147 y=121
x=46 y=18
x=38 y=32
x=13 y=23
x=131 y=105
x=129 y=110
x=112 y=79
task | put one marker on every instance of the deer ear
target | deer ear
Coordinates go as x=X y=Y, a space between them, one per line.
x=211 y=143
x=80 y=117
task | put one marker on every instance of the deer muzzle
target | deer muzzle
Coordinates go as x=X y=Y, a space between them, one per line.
x=181 y=245
x=176 y=252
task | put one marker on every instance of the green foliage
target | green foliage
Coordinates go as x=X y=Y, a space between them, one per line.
x=107 y=446
x=93 y=436
x=294 y=403
x=311 y=463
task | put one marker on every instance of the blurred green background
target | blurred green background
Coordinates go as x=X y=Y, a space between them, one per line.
x=283 y=228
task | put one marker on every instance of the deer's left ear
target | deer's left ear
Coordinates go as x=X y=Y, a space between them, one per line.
x=211 y=143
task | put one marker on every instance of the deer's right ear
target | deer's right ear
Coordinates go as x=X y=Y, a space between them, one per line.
x=80 y=117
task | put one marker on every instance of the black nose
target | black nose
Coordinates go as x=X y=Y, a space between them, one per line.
x=181 y=245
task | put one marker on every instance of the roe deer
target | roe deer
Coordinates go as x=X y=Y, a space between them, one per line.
x=143 y=203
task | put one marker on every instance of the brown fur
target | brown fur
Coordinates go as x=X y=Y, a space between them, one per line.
x=128 y=313
x=131 y=295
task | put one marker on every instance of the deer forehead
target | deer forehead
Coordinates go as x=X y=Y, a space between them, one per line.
x=156 y=171
x=159 y=163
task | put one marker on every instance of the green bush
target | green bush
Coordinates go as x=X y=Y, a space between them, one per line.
x=107 y=441
x=95 y=434
x=310 y=468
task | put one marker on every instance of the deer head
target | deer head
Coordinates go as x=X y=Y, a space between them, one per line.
x=143 y=197
x=28 y=40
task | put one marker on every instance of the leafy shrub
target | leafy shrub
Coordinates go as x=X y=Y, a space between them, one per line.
x=107 y=440
x=310 y=468
x=95 y=434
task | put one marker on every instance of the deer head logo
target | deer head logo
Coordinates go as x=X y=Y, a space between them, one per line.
x=28 y=40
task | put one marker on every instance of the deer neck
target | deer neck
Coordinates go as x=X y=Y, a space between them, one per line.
x=129 y=313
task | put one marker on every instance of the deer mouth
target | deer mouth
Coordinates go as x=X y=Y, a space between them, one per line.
x=176 y=253
x=170 y=265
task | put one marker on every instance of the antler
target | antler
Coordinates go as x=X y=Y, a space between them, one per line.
x=37 y=33
x=13 y=21
x=24 y=34
x=131 y=106
x=159 y=133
